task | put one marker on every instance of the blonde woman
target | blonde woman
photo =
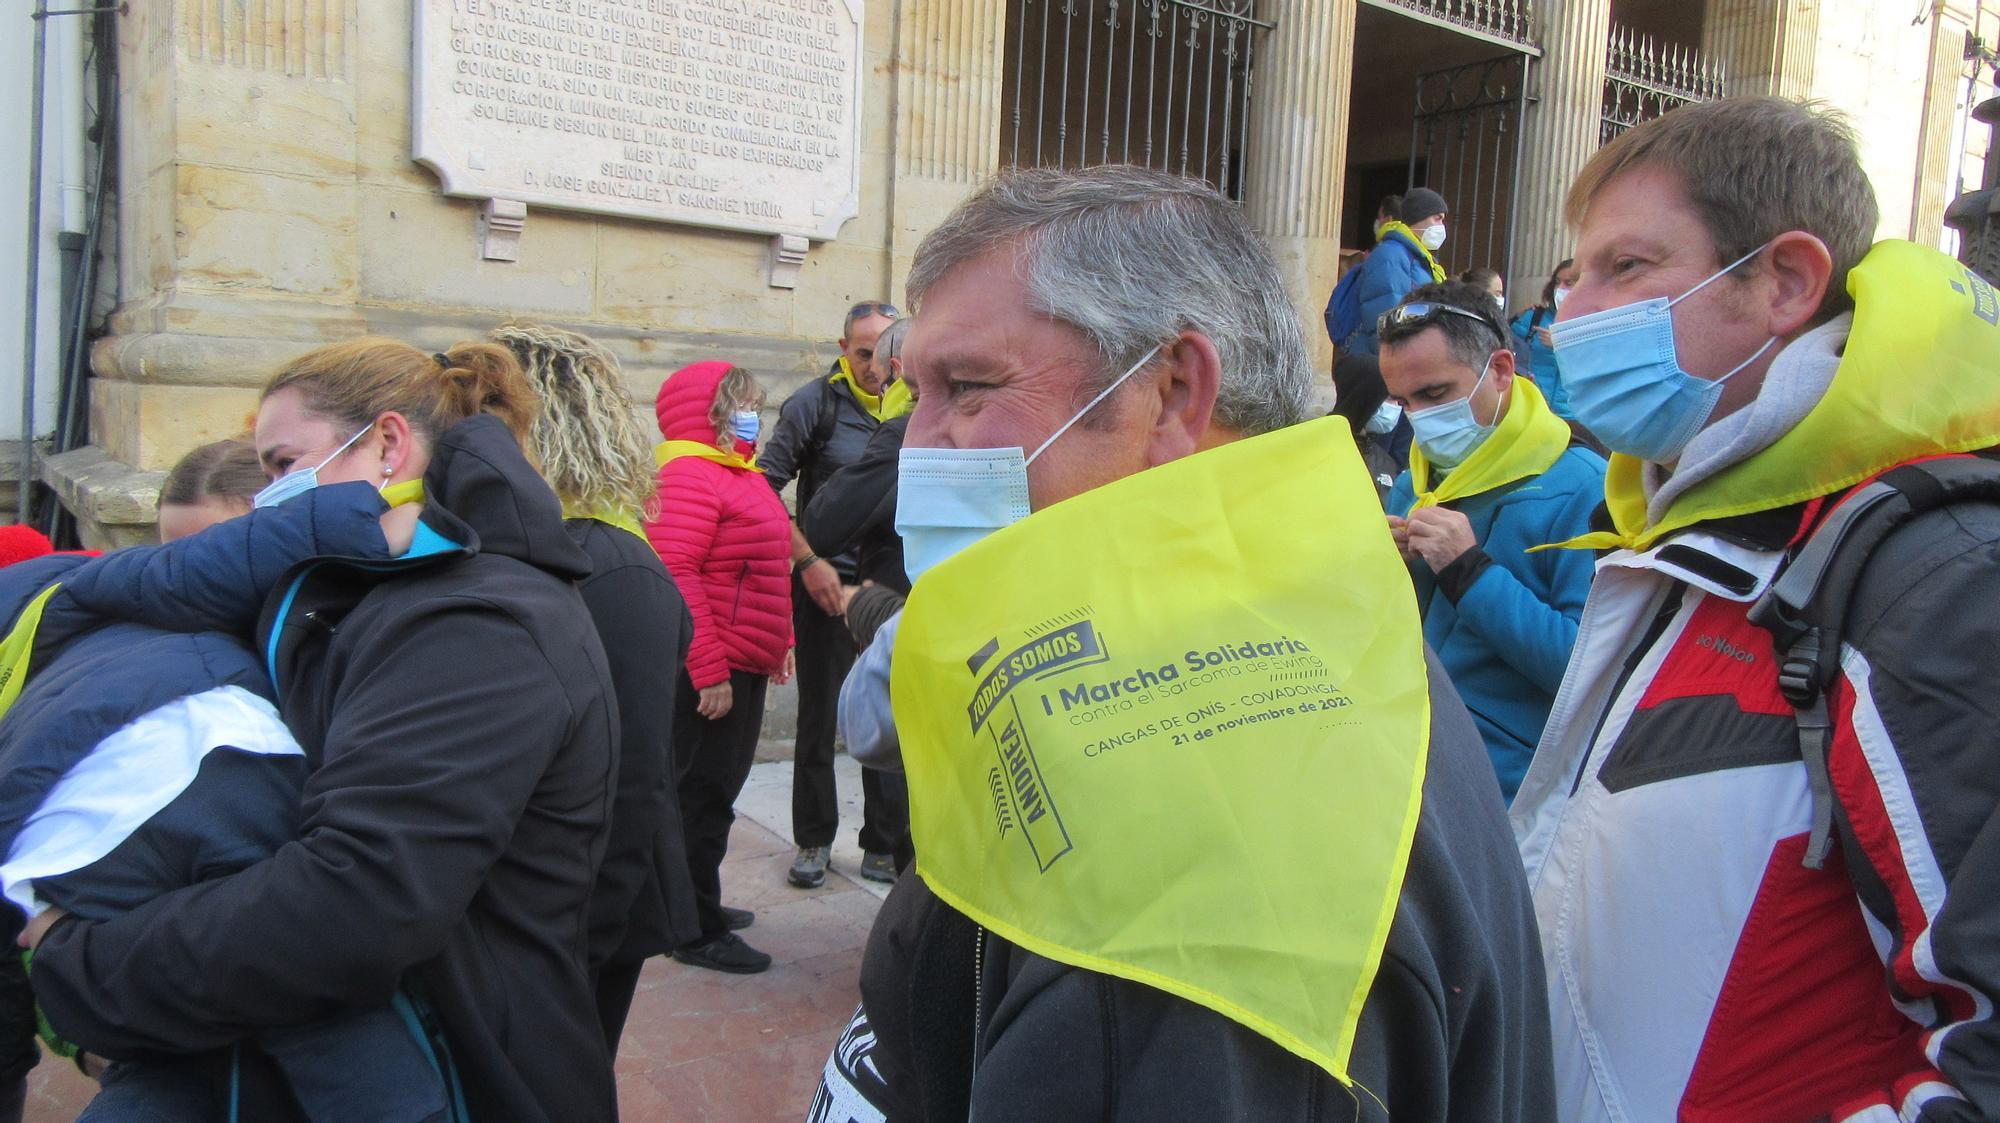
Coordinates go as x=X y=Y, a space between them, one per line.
x=594 y=454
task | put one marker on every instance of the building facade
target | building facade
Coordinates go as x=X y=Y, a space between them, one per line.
x=263 y=198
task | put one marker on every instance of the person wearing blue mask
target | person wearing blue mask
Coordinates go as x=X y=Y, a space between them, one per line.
x=1493 y=474
x=1763 y=857
x=1076 y=332
x=1380 y=430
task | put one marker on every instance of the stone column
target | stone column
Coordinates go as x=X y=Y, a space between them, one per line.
x=949 y=56
x=1937 y=154
x=1298 y=148
x=1763 y=46
x=1562 y=133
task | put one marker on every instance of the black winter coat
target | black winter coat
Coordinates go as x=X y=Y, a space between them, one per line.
x=457 y=709
x=855 y=510
x=644 y=901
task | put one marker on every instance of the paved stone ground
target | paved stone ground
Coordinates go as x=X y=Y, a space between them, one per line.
x=701 y=1046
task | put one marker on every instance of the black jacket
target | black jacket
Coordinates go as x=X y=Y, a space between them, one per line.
x=1455 y=1028
x=643 y=904
x=457 y=710
x=821 y=429
x=855 y=510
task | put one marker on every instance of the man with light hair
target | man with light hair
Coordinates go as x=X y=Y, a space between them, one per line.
x=1761 y=823
x=1111 y=378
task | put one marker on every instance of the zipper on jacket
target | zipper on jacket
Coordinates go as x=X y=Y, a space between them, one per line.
x=1661 y=619
x=736 y=606
x=978 y=992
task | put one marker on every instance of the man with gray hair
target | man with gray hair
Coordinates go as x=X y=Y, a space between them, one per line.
x=1121 y=322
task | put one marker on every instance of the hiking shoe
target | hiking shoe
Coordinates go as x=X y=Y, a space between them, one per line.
x=809 y=868
x=726 y=952
x=738 y=919
x=878 y=867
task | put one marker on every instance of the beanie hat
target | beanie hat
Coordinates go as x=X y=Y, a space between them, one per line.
x=1419 y=203
x=22 y=543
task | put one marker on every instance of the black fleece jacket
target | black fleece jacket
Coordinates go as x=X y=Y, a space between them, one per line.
x=456 y=708
x=1455 y=1028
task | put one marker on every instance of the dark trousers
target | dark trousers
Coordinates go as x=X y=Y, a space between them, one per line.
x=825 y=655
x=714 y=761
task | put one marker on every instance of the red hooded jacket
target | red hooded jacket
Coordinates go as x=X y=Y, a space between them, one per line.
x=726 y=538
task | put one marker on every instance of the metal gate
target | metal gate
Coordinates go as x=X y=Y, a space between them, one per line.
x=1466 y=133
x=1644 y=79
x=1164 y=83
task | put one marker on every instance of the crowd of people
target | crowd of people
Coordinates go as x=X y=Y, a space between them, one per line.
x=1586 y=723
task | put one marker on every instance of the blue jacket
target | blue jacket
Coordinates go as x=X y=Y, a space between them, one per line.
x=1541 y=359
x=1503 y=620
x=1395 y=266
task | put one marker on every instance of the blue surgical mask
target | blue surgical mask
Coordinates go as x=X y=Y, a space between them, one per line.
x=949 y=498
x=1449 y=433
x=1625 y=381
x=746 y=424
x=1383 y=422
x=295 y=484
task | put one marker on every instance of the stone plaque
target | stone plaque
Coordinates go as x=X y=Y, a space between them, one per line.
x=739 y=114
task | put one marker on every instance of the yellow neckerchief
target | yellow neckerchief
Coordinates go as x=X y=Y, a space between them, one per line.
x=1526 y=443
x=667 y=451
x=1437 y=271
x=19 y=646
x=409 y=491
x=1915 y=379
x=893 y=402
x=627 y=521
x=1202 y=774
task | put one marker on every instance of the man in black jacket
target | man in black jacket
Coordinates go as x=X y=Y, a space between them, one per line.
x=855 y=511
x=964 y=1023
x=822 y=428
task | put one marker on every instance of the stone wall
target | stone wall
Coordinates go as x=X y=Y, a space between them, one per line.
x=270 y=205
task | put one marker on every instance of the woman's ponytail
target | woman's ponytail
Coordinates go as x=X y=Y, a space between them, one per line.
x=478 y=378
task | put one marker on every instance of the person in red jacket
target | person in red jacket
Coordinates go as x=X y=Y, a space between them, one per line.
x=726 y=538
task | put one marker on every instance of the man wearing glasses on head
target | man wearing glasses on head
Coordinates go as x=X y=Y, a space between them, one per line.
x=822 y=428
x=1493 y=473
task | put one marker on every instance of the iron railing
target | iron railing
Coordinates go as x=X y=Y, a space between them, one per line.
x=1644 y=79
x=1510 y=23
x=1164 y=83
x=1467 y=132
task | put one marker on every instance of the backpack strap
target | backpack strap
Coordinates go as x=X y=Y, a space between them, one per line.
x=1806 y=608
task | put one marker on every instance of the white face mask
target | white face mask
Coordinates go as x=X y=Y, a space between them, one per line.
x=1433 y=237
x=949 y=498
x=1562 y=294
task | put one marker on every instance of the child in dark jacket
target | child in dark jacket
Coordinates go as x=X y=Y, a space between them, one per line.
x=139 y=760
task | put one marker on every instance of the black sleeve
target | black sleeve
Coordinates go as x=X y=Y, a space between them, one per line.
x=871 y=608
x=640 y=618
x=857 y=498
x=789 y=451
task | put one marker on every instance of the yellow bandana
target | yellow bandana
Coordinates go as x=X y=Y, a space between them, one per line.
x=624 y=520
x=1437 y=271
x=729 y=458
x=1916 y=379
x=1526 y=443
x=409 y=491
x=894 y=401
x=1201 y=774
